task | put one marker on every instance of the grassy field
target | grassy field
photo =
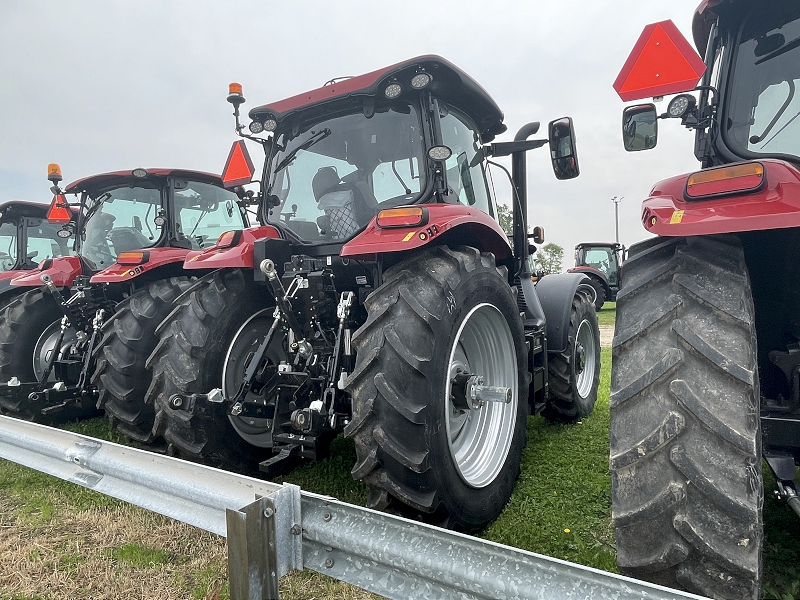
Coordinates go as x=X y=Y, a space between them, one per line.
x=608 y=314
x=61 y=541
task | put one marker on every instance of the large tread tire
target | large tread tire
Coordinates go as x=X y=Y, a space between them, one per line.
x=129 y=337
x=573 y=381
x=600 y=292
x=687 y=489
x=22 y=323
x=189 y=359
x=398 y=388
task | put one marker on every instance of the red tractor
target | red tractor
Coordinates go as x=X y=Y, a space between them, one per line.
x=380 y=299
x=600 y=262
x=26 y=239
x=706 y=360
x=77 y=339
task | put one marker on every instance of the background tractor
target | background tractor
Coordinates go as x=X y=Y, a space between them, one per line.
x=600 y=262
x=78 y=340
x=706 y=358
x=380 y=299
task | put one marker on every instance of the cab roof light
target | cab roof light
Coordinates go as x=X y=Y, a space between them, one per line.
x=59 y=211
x=133 y=258
x=404 y=216
x=229 y=239
x=393 y=90
x=722 y=181
x=421 y=80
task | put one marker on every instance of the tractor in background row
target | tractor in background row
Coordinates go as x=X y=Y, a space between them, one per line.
x=706 y=358
x=77 y=339
x=381 y=299
x=26 y=239
x=600 y=262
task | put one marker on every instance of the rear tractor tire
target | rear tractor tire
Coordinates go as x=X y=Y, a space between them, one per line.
x=129 y=337
x=687 y=489
x=600 y=292
x=438 y=315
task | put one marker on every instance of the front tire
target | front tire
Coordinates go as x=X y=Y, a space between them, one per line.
x=438 y=312
x=687 y=488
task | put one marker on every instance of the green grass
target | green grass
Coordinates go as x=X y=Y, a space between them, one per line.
x=608 y=314
x=137 y=555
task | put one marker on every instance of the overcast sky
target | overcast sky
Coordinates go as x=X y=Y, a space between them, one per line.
x=106 y=85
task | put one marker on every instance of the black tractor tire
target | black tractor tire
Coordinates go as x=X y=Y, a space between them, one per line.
x=189 y=359
x=600 y=292
x=574 y=374
x=22 y=323
x=431 y=309
x=128 y=338
x=687 y=489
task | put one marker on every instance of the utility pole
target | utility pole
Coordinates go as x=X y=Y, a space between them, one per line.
x=616 y=200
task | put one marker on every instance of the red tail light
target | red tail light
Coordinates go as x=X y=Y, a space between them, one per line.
x=721 y=181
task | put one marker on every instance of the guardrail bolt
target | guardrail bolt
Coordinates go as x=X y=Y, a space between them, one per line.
x=268 y=512
x=328 y=563
x=295 y=530
x=327 y=516
x=176 y=401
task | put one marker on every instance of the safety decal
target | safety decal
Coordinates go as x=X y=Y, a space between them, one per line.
x=677 y=217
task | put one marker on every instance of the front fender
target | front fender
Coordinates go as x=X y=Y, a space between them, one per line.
x=453 y=222
x=555 y=292
x=238 y=256
x=158 y=257
x=62 y=270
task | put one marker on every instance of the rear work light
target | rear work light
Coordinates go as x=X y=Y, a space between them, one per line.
x=407 y=216
x=229 y=239
x=59 y=211
x=722 y=181
x=133 y=258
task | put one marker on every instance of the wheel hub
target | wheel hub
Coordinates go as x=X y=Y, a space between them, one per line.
x=580 y=358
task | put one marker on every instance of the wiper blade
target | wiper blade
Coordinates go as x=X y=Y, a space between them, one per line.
x=321 y=135
x=782 y=50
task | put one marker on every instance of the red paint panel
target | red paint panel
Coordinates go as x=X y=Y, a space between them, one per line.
x=238 y=256
x=662 y=62
x=775 y=206
x=124 y=273
x=441 y=218
x=62 y=270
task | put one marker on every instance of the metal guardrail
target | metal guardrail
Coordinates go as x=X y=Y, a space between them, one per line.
x=272 y=529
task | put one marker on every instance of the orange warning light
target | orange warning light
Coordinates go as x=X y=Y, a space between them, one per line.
x=59 y=211
x=662 y=62
x=54 y=172
x=239 y=167
x=234 y=88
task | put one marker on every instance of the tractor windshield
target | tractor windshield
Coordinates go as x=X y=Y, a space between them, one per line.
x=44 y=241
x=8 y=246
x=763 y=116
x=204 y=212
x=120 y=219
x=333 y=177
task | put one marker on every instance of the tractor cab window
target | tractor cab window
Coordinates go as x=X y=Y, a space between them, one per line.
x=603 y=259
x=44 y=241
x=764 y=103
x=8 y=246
x=466 y=177
x=119 y=220
x=331 y=179
x=203 y=212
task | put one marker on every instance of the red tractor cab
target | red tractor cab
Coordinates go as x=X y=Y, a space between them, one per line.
x=380 y=298
x=600 y=262
x=78 y=339
x=706 y=371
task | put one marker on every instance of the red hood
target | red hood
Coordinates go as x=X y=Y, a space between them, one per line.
x=157 y=257
x=62 y=270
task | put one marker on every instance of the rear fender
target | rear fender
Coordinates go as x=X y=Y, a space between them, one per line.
x=594 y=273
x=62 y=270
x=238 y=256
x=556 y=292
x=157 y=258
x=453 y=223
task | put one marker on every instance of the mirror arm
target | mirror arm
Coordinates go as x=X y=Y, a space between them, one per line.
x=508 y=148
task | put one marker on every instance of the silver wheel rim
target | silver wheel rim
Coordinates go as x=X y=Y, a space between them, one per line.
x=254 y=431
x=45 y=345
x=589 y=290
x=585 y=343
x=479 y=440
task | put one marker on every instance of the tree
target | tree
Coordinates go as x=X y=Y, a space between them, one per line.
x=547 y=259
x=505 y=217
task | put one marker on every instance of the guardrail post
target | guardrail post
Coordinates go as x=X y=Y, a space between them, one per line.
x=252 y=551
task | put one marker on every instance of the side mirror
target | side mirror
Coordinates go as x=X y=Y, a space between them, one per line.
x=561 y=135
x=537 y=235
x=639 y=127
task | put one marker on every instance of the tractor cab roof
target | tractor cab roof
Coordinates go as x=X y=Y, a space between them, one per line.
x=598 y=245
x=449 y=83
x=14 y=209
x=127 y=177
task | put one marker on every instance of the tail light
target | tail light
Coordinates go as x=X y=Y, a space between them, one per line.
x=229 y=239
x=406 y=216
x=133 y=258
x=722 y=181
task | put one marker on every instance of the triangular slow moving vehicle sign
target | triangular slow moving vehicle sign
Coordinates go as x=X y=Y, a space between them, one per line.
x=239 y=167
x=662 y=62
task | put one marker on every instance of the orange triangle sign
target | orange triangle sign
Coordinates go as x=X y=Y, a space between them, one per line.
x=239 y=167
x=662 y=62
x=59 y=210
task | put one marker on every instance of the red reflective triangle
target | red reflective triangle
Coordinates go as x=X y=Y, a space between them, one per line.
x=662 y=62
x=59 y=210
x=239 y=167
